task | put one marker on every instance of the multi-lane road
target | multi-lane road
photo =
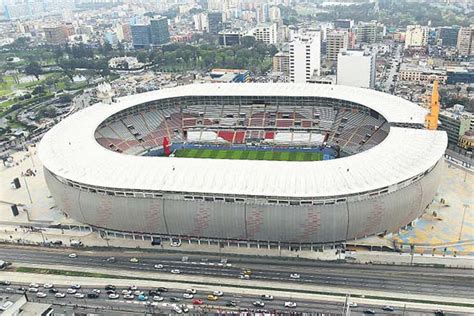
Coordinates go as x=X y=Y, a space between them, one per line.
x=439 y=283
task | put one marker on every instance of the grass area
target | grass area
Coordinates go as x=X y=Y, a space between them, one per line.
x=249 y=154
x=67 y=273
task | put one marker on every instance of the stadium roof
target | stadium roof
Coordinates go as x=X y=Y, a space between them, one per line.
x=71 y=151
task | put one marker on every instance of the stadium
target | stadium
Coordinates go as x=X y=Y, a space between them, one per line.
x=286 y=163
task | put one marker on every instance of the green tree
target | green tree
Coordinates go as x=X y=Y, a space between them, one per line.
x=34 y=69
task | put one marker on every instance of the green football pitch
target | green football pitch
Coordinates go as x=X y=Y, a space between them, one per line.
x=248 y=154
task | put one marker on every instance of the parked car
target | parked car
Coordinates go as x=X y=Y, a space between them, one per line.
x=60 y=295
x=290 y=304
x=41 y=295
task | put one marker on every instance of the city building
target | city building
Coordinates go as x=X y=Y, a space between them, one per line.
x=305 y=57
x=370 y=32
x=448 y=36
x=421 y=74
x=466 y=41
x=344 y=24
x=218 y=75
x=460 y=74
x=281 y=63
x=456 y=122
x=275 y=14
x=416 y=36
x=266 y=33
x=466 y=141
x=111 y=37
x=356 y=68
x=56 y=34
x=159 y=32
x=230 y=38
x=336 y=40
x=19 y=305
x=141 y=37
x=214 y=20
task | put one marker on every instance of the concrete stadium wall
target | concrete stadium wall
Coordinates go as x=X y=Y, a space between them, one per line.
x=245 y=221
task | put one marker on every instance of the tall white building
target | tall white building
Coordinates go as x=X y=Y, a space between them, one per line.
x=200 y=22
x=305 y=57
x=416 y=36
x=356 y=68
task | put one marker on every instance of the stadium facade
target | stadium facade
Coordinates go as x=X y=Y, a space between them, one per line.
x=99 y=173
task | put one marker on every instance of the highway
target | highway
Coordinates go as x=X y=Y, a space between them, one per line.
x=417 y=280
x=439 y=282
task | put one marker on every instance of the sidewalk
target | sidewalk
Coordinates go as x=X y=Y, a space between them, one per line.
x=237 y=286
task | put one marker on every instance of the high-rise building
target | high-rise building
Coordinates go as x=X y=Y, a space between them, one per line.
x=466 y=41
x=281 y=63
x=370 y=32
x=159 y=31
x=275 y=14
x=305 y=57
x=56 y=34
x=416 y=36
x=215 y=22
x=336 y=40
x=356 y=68
x=141 y=37
x=267 y=33
x=448 y=36
x=200 y=22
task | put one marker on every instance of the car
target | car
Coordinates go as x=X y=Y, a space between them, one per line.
x=258 y=304
x=175 y=271
x=156 y=241
x=133 y=288
x=244 y=276
x=129 y=296
x=5 y=283
x=177 y=310
x=137 y=292
x=108 y=292
x=126 y=292
x=290 y=304
x=72 y=255
x=154 y=293
x=369 y=312
x=174 y=299
x=48 y=286
x=184 y=308
x=162 y=289
x=41 y=295
x=10 y=289
x=188 y=295
x=197 y=302
x=158 y=266
x=53 y=290
x=33 y=290
x=79 y=295
x=35 y=285
x=295 y=276
x=75 y=286
x=22 y=289
x=175 y=244
x=142 y=298
x=231 y=304
x=158 y=298
x=60 y=295
x=388 y=308
x=113 y=296
x=71 y=291
x=439 y=312
x=111 y=259
x=247 y=272
x=96 y=291
x=267 y=297
x=218 y=293
x=134 y=260
x=191 y=291
x=352 y=304
x=92 y=295
x=211 y=297
x=110 y=287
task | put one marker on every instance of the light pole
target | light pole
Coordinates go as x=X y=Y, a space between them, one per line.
x=462 y=223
